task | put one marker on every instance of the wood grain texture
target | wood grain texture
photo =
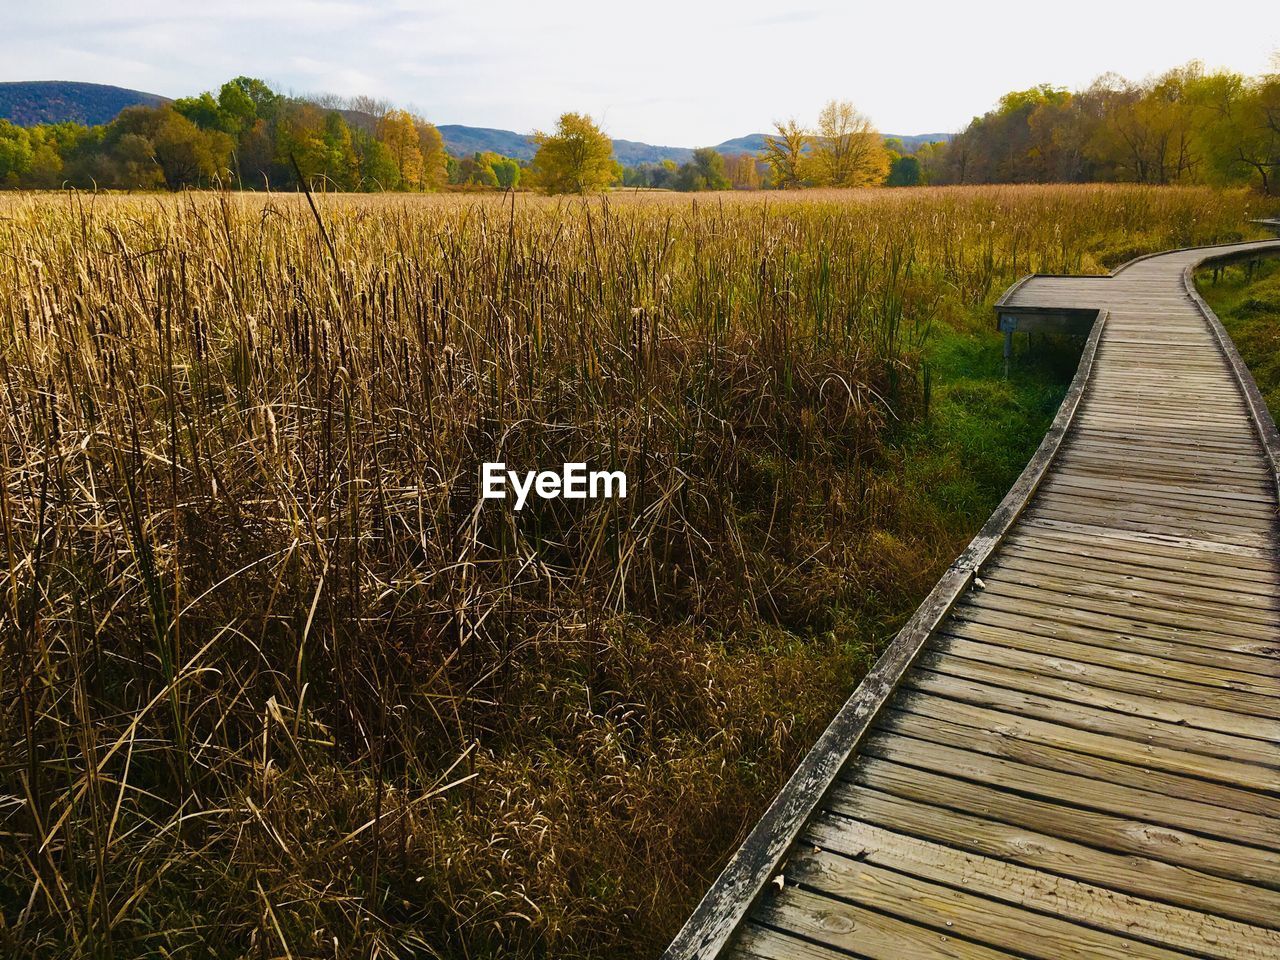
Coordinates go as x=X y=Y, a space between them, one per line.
x=1073 y=748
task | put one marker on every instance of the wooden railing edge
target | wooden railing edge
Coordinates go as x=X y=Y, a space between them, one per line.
x=1200 y=246
x=1264 y=424
x=1026 y=278
x=1014 y=288
x=754 y=864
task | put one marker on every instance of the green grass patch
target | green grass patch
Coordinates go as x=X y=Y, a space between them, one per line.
x=983 y=425
x=1249 y=307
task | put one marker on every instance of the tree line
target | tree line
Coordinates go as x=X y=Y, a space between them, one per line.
x=843 y=149
x=1187 y=125
x=248 y=136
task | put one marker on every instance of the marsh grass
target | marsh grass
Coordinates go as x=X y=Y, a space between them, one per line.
x=1248 y=303
x=277 y=683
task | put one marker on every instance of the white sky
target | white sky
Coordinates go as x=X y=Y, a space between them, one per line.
x=675 y=73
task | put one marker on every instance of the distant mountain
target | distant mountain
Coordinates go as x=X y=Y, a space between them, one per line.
x=463 y=141
x=54 y=101
x=751 y=143
x=29 y=102
x=633 y=152
x=754 y=142
x=914 y=141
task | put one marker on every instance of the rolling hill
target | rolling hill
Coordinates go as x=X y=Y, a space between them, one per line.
x=462 y=140
x=29 y=102
x=54 y=101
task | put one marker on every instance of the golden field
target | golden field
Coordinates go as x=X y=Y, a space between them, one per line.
x=277 y=682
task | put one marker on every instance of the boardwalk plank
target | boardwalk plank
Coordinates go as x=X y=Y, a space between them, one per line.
x=1259 y=781
x=1232 y=862
x=959 y=913
x=1135 y=876
x=1085 y=903
x=1244 y=814
x=1100 y=667
x=1260 y=754
x=1049 y=785
x=845 y=926
x=1232 y=711
x=1244 y=656
x=1080 y=756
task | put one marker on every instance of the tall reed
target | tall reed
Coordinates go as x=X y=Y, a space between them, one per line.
x=278 y=683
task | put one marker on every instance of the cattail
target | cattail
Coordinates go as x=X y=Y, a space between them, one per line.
x=273 y=443
x=279 y=625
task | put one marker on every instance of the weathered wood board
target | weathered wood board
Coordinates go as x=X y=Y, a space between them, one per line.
x=1073 y=749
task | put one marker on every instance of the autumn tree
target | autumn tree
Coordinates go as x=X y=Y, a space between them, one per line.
x=165 y=140
x=33 y=156
x=1167 y=112
x=785 y=153
x=399 y=134
x=743 y=170
x=435 y=167
x=1259 y=146
x=255 y=156
x=486 y=169
x=376 y=168
x=341 y=167
x=246 y=134
x=188 y=155
x=134 y=165
x=476 y=170
x=530 y=179
x=577 y=158
x=1014 y=143
x=1184 y=126
x=847 y=152
x=1152 y=132
x=300 y=147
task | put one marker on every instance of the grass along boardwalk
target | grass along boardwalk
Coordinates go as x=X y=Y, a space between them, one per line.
x=1071 y=748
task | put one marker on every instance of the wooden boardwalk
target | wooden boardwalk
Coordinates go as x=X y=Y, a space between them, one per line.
x=1072 y=748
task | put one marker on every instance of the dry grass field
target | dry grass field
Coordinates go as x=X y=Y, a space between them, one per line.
x=275 y=682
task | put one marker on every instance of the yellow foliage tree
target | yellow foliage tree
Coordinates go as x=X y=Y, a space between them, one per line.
x=398 y=132
x=577 y=158
x=785 y=153
x=848 y=151
x=742 y=171
x=435 y=165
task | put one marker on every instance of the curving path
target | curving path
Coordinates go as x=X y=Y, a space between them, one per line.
x=1071 y=750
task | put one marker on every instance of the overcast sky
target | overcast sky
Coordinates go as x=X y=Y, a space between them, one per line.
x=679 y=73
